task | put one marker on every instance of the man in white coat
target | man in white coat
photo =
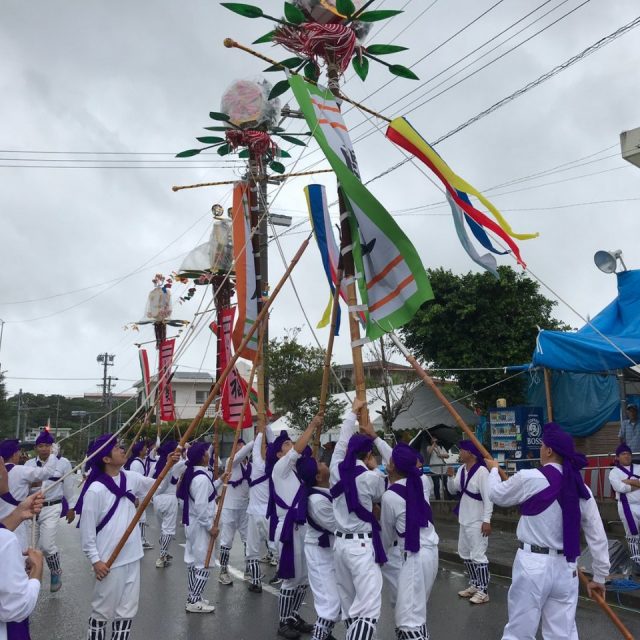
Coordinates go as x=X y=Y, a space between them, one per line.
x=474 y=512
x=625 y=481
x=20 y=479
x=56 y=504
x=554 y=505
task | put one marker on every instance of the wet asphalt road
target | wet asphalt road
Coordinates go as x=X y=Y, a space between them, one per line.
x=241 y=615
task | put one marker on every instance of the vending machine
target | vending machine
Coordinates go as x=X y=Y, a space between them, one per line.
x=515 y=431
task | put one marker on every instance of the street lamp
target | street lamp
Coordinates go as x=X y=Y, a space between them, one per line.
x=607 y=261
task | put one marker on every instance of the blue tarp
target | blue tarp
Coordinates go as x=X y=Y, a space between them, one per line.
x=586 y=350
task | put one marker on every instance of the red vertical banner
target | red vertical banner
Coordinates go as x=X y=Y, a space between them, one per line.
x=233 y=389
x=146 y=377
x=167 y=408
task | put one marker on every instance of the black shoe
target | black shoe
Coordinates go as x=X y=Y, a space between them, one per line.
x=287 y=631
x=301 y=625
x=255 y=588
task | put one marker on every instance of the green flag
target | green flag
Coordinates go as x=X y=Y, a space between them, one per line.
x=391 y=279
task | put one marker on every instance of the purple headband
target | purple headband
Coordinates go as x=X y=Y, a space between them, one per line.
x=468 y=445
x=9 y=448
x=105 y=443
x=307 y=469
x=623 y=448
x=45 y=437
x=196 y=452
x=164 y=450
x=273 y=449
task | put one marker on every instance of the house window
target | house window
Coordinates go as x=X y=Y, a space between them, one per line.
x=201 y=396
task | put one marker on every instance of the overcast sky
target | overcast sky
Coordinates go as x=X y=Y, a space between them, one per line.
x=120 y=77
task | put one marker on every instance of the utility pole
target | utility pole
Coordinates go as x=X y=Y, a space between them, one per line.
x=107 y=361
x=110 y=380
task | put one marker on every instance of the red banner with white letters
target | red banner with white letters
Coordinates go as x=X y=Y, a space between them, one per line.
x=167 y=408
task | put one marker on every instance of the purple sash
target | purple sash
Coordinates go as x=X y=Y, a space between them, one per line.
x=324 y=540
x=296 y=515
x=624 y=500
x=401 y=490
x=18 y=630
x=464 y=483
x=354 y=506
x=253 y=483
x=7 y=497
x=245 y=476
x=119 y=491
x=185 y=500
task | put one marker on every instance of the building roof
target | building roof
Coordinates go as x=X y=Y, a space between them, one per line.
x=185 y=376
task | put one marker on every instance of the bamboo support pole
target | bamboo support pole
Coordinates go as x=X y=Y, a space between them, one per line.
x=326 y=370
x=221 y=183
x=429 y=382
x=212 y=394
x=547 y=393
x=232 y=457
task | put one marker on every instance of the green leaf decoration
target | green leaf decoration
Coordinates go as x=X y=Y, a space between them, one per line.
x=403 y=72
x=384 y=49
x=289 y=63
x=210 y=140
x=244 y=153
x=216 y=115
x=283 y=154
x=293 y=14
x=375 y=16
x=311 y=71
x=276 y=129
x=246 y=10
x=293 y=140
x=278 y=89
x=361 y=67
x=188 y=153
x=345 y=7
x=278 y=167
x=267 y=37
x=216 y=128
x=224 y=150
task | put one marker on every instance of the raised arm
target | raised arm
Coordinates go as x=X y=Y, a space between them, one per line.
x=305 y=438
x=242 y=453
x=346 y=431
x=508 y=493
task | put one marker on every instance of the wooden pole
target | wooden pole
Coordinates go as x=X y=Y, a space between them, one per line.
x=212 y=394
x=326 y=370
x=547 y=393
x=428 y=380
x=626 y=634
x=216 y=441
x=223 y=494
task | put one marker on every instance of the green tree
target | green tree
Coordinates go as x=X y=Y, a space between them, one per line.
x=476 y=321
x=295 y=373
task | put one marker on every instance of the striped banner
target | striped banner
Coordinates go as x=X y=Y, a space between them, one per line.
x=246 y=289
x=146 y=377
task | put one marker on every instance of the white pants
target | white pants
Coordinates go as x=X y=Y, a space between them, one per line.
x=47 y=528
x=391 y=571
x=358 y=578
x=322 y=580
x=544 y=588
x=117 y=595
x=417 y=575
x=232 y=520
x=166 y=506
x=299 y=562
x=258 y=536
x=635 y=512
x=472 y=545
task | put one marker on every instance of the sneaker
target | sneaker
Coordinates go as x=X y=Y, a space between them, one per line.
x=275 y=580
x=161 y=563
x=255 y=588
x=468 y=592
x=247 y=576
x=273 y=562
x=146 y=545
x=199 y=607
x=266 y=558
x=225 y=578
x=301 y=625
x=479 y=597
x=168 y=558
x=56 y=582
x=287 y=631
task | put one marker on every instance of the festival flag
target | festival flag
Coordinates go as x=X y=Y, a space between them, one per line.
x=327 y=245
x=233 y=391
x=405 y=136
x=146 y=376
x=392 y=282
x=167 y=408
x=246 y=289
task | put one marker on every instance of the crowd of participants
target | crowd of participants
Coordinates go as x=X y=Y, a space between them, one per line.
x=341 y=529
